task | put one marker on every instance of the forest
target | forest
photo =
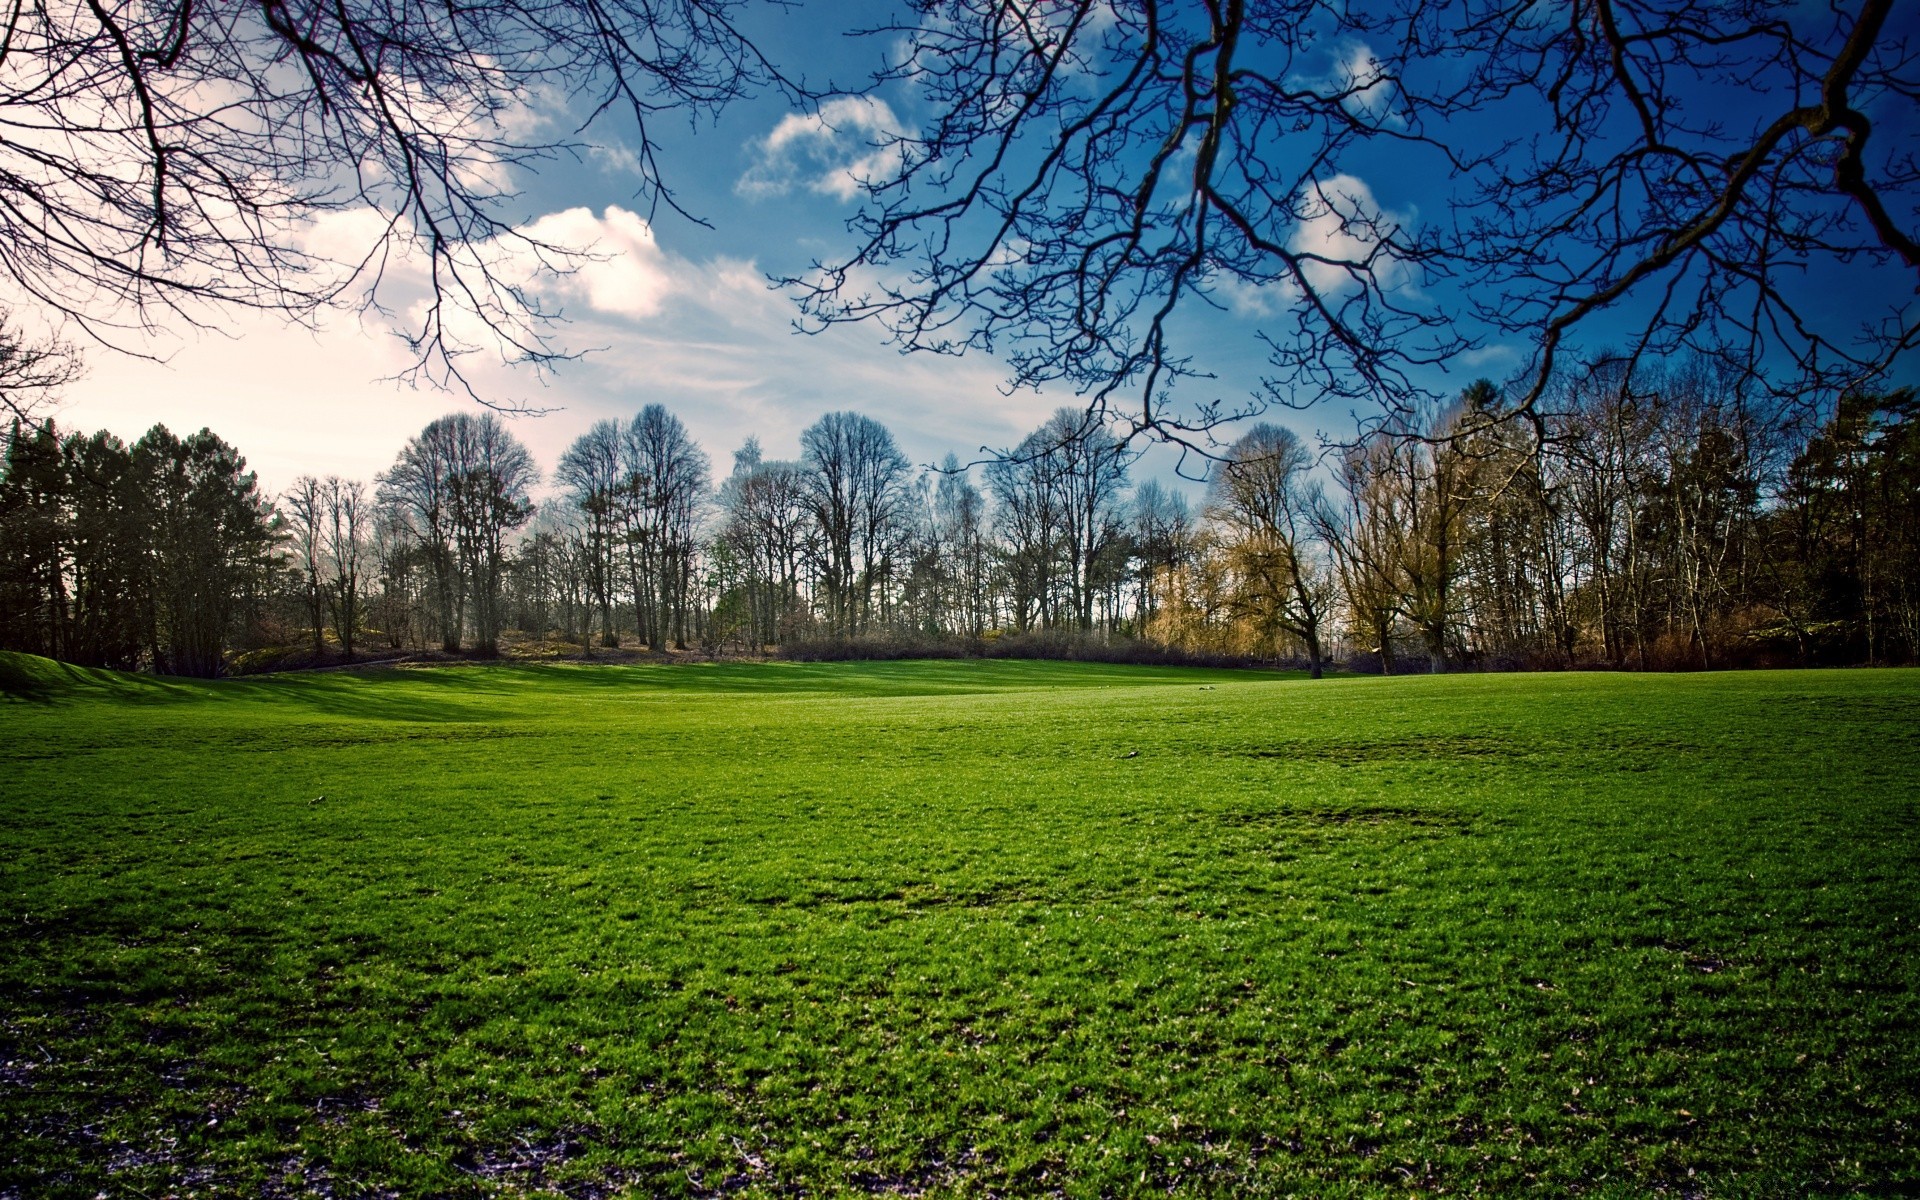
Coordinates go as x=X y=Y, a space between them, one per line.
x=1669 y=525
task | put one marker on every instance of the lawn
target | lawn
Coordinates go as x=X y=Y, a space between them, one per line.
x=959 y=928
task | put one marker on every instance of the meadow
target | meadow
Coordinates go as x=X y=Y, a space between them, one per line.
x=957 y=928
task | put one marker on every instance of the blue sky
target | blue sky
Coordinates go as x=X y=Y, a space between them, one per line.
x=675 y=312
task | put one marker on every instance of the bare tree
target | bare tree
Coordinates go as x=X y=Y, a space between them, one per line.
x=31 y=374
x=1089 y=169
x=1262 y=494
x=160 y=158
x=462 y=485
x=1027 y=525
x=1092 y=477
x=1701 y=172
x=418 y=492
x=768 y=527
x=344 y=502
x=590 y=471
x=1058 y=500
x=1162 y=531
x=1603 y=439
x=1438 y=481
x=305 y=506
x=856 y=478
x=395 y=606
x=1369 y=540
x=664 y=481
x=492 y=480
x=961 y=524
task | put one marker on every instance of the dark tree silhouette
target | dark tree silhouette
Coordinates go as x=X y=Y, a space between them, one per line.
x=167 y=160
x=1703 y=175
x=31 y=372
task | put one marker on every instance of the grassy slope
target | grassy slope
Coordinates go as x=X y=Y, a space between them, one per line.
x=937 y=926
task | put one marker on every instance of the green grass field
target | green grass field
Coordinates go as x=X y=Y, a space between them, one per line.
x=975 y=928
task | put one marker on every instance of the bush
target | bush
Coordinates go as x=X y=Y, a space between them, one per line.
x=1053 y=644
x=878 y=647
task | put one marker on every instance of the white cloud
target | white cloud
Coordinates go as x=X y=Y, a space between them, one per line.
x=1356 y=75
x=1342 y=227
x=834 y=152
x=707 y=338
x=565 y=260
x=1374 y=97
x=614 y=159
x=345 y=235
x=1247 y=299
x=1485 y=356
x=619 y=269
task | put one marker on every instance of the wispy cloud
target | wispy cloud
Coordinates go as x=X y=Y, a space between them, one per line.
x=706 y=337
x=1355 y=74
x=834 y=152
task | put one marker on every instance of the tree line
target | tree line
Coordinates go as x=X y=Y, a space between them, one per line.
x=1646 y=521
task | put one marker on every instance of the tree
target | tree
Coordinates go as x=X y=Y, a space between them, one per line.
x=1854 y=498
x=34 y=532
x=31 y=373
x=961 y=526
x=209 y=543
x=120 y=557
x=1092 y=169
x=344 y=534
x=461 y=485
x=1057 y=497
x=175 y=155
x=109 y=518
x=491 y=500
x=398 y=596
x=1603 y=440
x=307 y=520
x=1437 y=479
x=1089 y=169
x=418 y=492
x=1091 y=474
x=1026 y=512
x=1369 y=540
x=1705 y=515
x=1162 y=534
x=1261 y=493
x=664 y=481
x=767 y=528
x=590 y=473
x=856 y=478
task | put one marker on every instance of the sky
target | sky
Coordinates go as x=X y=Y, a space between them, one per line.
x=671 y=311
x=675 y=312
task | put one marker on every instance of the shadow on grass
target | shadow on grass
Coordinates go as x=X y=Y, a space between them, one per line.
x=495 y=692
x=28 y=677
x=529 y=683
x=885 y=678
x=18 y=683
x=388 y=695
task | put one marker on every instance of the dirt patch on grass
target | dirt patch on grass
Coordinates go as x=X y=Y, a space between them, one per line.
x=549 y=1162
x=1358 y=817
x=1439 y=748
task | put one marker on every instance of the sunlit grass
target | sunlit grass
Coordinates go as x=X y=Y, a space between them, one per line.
x=957 y=928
